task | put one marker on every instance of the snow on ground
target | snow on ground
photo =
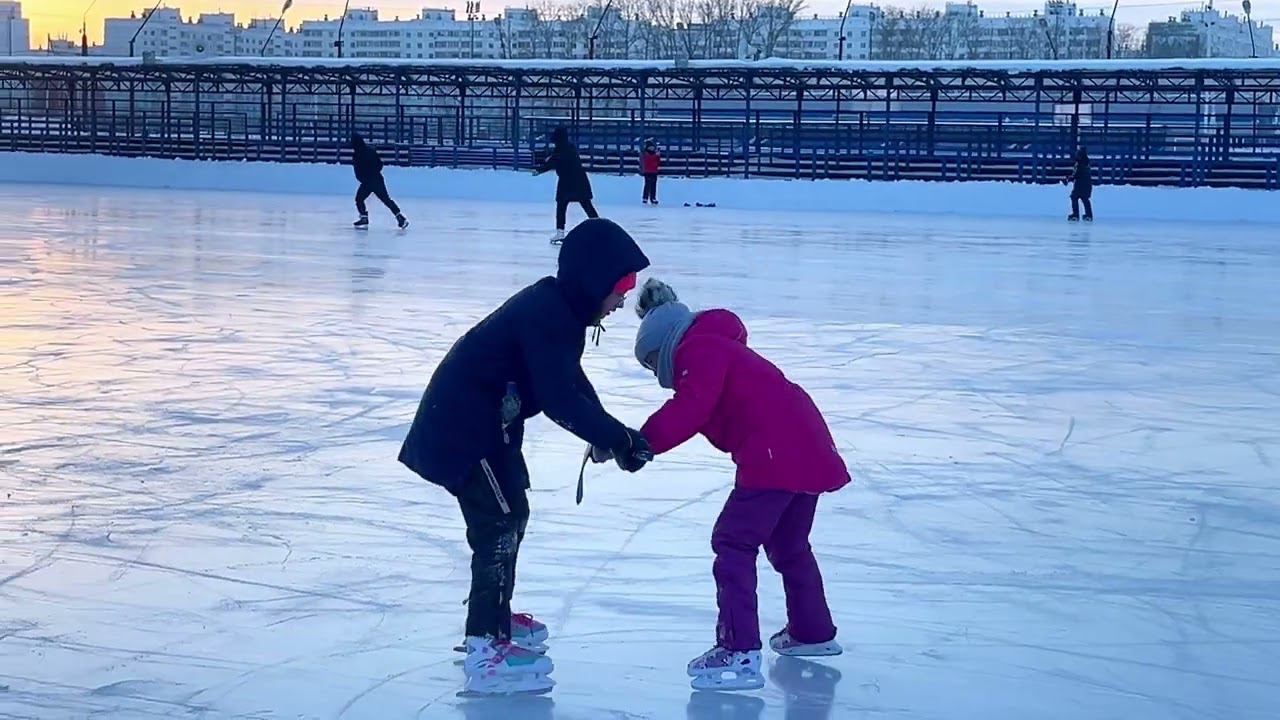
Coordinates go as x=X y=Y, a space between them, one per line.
x=1064 y=440
x=974 y=199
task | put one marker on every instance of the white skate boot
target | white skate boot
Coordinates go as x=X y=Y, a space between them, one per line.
x=783 y=644
x=502 y=668
x=721 y=669
x=528 y=633
x=557 y=238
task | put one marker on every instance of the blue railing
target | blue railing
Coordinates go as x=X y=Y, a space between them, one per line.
x=1183 y=128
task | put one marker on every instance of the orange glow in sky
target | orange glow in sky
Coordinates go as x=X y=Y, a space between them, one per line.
x=62 y=18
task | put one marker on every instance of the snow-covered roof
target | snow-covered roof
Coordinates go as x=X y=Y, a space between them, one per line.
x=1012 y=66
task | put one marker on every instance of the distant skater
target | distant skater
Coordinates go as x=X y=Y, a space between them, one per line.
x=572 y=184
x=1081 y=187
x=650 y=166
x=368 y=167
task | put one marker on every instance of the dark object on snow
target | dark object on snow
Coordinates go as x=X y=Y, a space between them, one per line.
x=534 y=340
x=572 y=184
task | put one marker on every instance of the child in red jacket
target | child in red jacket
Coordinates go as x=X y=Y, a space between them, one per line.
x=650 y=165
x=785 y=459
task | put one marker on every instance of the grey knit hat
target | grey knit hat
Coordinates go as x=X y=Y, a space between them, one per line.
x=663 y=323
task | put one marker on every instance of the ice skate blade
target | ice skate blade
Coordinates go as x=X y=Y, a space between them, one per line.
x=826 y=649
x=531 y=685
x=539 y=647
x=741 y=681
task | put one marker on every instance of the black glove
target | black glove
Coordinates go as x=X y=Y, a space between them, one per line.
x=637 y=453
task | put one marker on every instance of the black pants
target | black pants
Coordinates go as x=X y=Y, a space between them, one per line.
x=1076 y=199
x=495 y=507
x=375 y=187
x=562 y=207
x=651 y=187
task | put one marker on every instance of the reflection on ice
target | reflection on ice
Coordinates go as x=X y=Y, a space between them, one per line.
x=1063 y=438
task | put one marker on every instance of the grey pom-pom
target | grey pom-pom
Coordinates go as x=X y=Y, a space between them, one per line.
x=654 y=293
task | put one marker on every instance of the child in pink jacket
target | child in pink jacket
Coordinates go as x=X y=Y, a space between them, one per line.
x=785 y=459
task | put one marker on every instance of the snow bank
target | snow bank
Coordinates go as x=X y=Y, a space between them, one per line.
x=970 y=198
x=1011 y=66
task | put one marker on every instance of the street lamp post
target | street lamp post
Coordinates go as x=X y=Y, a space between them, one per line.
x=145 y=20
x=1248 y=18
x=1111 y=28
x=591 y=41
x=473 y=9
x=1053 y=47
x=287 y=4
x=843 y=19
x=337 y=44
x=84 y=29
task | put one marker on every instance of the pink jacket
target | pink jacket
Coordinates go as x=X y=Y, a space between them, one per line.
x=745 y=406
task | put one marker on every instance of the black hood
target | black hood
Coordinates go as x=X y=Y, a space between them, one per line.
x=357 y=142
x=559 y=136
x=1082 y=155
x=594 y=257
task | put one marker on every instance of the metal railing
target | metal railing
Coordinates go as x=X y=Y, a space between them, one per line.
x=1163 y=126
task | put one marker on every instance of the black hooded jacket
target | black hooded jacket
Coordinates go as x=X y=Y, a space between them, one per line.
x=534 y=340
x=1081 y=177
x=572 y=184
x=365 y=160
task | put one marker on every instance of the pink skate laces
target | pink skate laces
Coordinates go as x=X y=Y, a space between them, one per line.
x=523 y=619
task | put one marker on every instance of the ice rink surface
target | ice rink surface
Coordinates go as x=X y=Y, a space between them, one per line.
x=1065 y=442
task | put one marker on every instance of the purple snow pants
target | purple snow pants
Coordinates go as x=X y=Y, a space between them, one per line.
x=780 y=521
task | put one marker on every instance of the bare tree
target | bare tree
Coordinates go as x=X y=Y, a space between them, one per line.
x=766 y=22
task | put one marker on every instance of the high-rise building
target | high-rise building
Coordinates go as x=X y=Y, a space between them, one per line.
x=1207 y=33
x=15 y=30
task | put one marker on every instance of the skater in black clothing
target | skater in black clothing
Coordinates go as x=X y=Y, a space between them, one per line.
x=650 y=166
x=522 y=360
x=572 y=184
x=368 y=167
x=1081 y=187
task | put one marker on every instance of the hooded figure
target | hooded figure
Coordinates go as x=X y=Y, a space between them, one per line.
x=785 y=458
x=524 y=359
x=1081 y=180
x=572 y=184
x=368 y=168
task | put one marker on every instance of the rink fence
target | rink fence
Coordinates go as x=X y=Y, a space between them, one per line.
x=1171 y=126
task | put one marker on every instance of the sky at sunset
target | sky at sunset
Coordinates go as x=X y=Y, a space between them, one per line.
x=63 y=17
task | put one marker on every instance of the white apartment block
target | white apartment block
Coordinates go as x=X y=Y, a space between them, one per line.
x=15 y=30
x=166 y=34
x=818 y=38
x=962 y=31
x=1208 y=33
x=435 y=33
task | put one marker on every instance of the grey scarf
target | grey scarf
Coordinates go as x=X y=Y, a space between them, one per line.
x=661 y=331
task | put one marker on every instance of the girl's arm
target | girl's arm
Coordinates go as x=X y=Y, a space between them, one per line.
x=698 y=389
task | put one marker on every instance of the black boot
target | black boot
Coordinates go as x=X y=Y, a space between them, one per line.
x=402 y=220
x=1073 y=218
x=362 y=222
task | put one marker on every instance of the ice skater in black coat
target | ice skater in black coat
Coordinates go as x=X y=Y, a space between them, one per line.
x=368 y=167
x=523 y=359
x=1081 y=180
x=572 y=184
